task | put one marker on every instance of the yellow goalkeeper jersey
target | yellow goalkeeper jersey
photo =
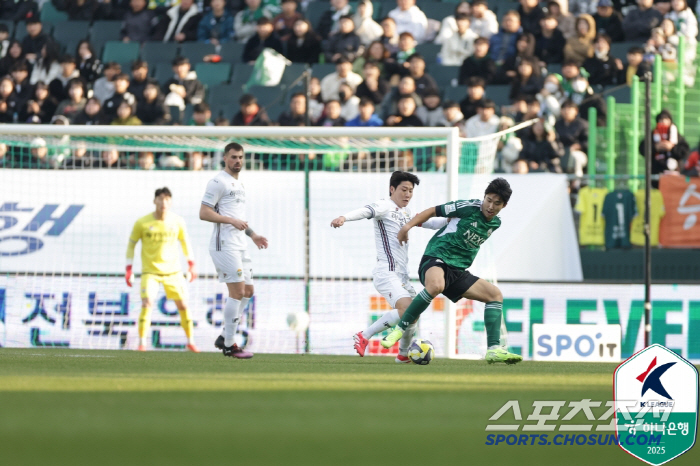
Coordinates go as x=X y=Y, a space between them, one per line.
x=655 y=214
x=159 y=238
x=591 y=222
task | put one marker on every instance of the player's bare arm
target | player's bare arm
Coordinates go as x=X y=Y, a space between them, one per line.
x=259 y=240
x=419 y=219
x=208 y=214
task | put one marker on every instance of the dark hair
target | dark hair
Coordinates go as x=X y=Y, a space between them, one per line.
x=342 y=59
x=605 y=37
x=450 y=104
x=122 y=76
x=112 y=65
x=364 y=101
x=68 y=59
x=664 y=114
x=480 y=2
x=569 y=63
x=459 y=16
x=635 y=50
x=368 y=56
x=487 y=103
x=297 y=94
x=346 y=17
x=52 y=53
x=482 y=40
x=247 y=99
x=90 y=48
x=406 y=33
x=233 y=146
x=165 y=191
x=201 y=107
x=387 y=18
x=416 y=56
x=476 y=81
x=399 y=177
x=501 y=187
x=569 y=103
x=139 y=64
x=548 y=16
x=3 y=28
x=263 y=21
x=181 y=61
x=20 y=65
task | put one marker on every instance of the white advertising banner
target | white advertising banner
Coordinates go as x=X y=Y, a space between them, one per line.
x=576 y=343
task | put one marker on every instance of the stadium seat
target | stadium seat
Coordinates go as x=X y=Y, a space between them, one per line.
x=499 y=94
x=162 y=71
x=267 y=96
x=429 y=51
x=377 y=9
x=240 y=76
x=554 y=68
x=292 y=73
x=196 y=51
x=436 y=10
x=153 y=52
x=504 y=7
x=103 y=31
x=213 y=73
x=623 y=95
x=322 y=70
x=232 y=52
x=71 y=32
x=314 y=12
x=224 y=93
x=49 y=14
x=121 y=52
x=443 y=75
x=274 y=111
x=619 y=49
x=455 y=93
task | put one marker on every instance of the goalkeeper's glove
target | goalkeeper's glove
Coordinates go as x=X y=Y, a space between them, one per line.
x=129 y=275
x=191 y=274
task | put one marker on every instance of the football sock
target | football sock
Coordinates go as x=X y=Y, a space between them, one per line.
x=244 y=303
x=385 y=322
x=239 y=314
x=419 y=304
x=187 y=325
x=144 y=325
x=407 y=338
x=230 y=320
x=492 y=322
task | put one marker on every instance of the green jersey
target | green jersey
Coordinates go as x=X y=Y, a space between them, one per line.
x=459 y=241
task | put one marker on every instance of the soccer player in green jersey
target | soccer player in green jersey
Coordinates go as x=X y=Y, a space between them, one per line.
x=443 y=268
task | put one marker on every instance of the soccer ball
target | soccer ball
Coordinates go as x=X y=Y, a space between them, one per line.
x=421 y=352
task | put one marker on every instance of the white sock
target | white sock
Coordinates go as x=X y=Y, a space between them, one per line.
x=407 y=338
x=144 y=341
x=190 y=340
x=385 y=322
x=230 y=320
x=244 y=303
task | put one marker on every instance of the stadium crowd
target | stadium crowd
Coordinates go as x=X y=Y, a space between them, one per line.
x=481 y=66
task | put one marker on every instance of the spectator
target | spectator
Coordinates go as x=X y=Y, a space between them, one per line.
x=475 y=97
x=183 y=88
x=579 y=48
x=343 y=74
x=91 y=114
x=684 y=19
x=580 y=7
x=125 y=116
x=549 y=44
x=669 y=148
x=304 y=46
x=332 y=115
x=565 y=20
x=636 y=66
x=180 y=23
x=20 y=75
x=390 y=38
x=146 y=159
x=528 y=80
x=366 y=116
x=216 y=26
x=406 y=88
x=691 y=166
x=573 y=134
x=7 y=95
x=525 y=50
x=531 y=13
x=569 y=72
x=15 y=54
x=479 y=65
x=520 y=167
x=138 y=22
x=448 y=28
x=315 y=103
x=397 y=64
x=83 y=10
x=250 y=113
x=485 y=122
x=75 y=103
x=453 y=117
x=541 y=150
x=103 y=88
x=376 y=53
x=47 y=67
x=430 y=113
x=424 y=82
x=35 y=40
x=139 y=79
x=349 y=102
x=329 y=23
x=639 y=22
x=110 y=159
x=508 y=148
x=608 y=21
x=373 y=87
x=265 y=37
x=89 y=66
x=150 y=108
x=4 y=39
x=410 y=18
x=195 y=161
x=484 y=21
x=41 y=106
x=344 y=42
x=502 y=44
x=201 y=115
x=550 y=97
x=284 y=21
x=603 y=69
x=460 y=45
x=584 y=97
x=405 y=115
x=296 y=115
x=59 y=86
x=366 y=28
x=121 y=94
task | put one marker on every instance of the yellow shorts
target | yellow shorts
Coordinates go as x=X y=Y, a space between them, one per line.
x=174 y=285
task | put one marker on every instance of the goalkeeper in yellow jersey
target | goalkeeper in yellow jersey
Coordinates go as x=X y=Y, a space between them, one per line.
x=159 y=233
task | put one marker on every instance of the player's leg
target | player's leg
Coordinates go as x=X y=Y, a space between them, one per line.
x=234 y=275
x=407 y=338
x=149 y=290
x=390 y=286
x=489 y=293
x=175 y=289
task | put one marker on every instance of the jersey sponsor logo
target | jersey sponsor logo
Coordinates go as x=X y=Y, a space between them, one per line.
x=474 y=224
x=449 y=208
x=473 y=239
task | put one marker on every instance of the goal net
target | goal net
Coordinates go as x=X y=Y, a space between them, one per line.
x=70 y=196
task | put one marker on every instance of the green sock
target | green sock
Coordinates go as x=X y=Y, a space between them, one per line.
x=492 y=322
x=419 y=304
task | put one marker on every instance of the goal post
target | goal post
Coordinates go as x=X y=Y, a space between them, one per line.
x=64 y=224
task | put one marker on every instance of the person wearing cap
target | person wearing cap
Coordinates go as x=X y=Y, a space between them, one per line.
x=330 y=84
x=608 y=21
x=485 y=121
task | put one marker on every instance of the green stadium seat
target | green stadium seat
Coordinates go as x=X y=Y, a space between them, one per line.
x=437 y=11
x=622 y=95
x=455 y=93
x=274 y=111
x=121 y=52
x=240 y=76
x=195 y=51
x=292 y=73
x=213 y=73
x=267 y=95
x=103 y=31
x=429 y=51
x=499 y=93
x=320 y=71
x=619 y=49
x=154 y=52
x=504 y=7
x=49 y=14
x=314 y=12
x=232 y=52
x=554 y=68
x=162 y=71
x=443 y=75
x=71 y=32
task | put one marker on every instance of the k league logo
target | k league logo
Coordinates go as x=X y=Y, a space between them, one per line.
x=19 y=236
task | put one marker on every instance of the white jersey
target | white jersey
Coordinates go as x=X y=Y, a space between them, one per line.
x=226 y=195
x=388 y=220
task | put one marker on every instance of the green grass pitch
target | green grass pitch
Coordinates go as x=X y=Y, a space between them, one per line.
x=164 y=408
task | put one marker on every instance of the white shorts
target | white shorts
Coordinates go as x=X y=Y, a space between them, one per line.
x=233 y=266
x=393 y=286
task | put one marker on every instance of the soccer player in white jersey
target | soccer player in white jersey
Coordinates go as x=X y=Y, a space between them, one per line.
x=390 y=276
x=224 y=205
